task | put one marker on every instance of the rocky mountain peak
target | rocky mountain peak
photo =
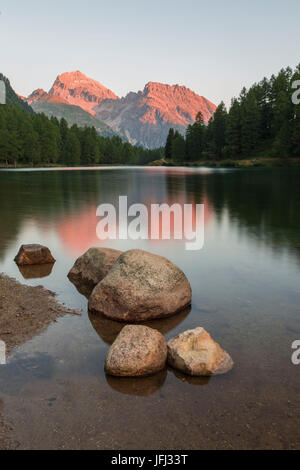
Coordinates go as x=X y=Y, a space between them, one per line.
x=79 y=90
x=146 y=116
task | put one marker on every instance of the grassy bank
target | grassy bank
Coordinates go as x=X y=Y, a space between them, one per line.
x=46 y=165
x=245 y=163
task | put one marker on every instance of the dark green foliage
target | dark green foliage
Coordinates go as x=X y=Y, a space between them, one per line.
x=215 y=134
x=262 y=121
x=72 y=148
x=178 y=148
x=73 y=115
x=27 y=138
x=233 y=131
x=12 y=98
x=89 y=146
x=195 y=136
x=168 y=147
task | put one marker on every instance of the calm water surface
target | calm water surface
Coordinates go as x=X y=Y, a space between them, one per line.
x=246 y=293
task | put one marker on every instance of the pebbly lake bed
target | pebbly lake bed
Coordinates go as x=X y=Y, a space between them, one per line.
x=54 y=393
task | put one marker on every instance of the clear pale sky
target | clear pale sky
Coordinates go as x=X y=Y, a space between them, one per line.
x=213 y=47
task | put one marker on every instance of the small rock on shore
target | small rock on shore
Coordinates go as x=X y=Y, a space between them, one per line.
x=34 y=255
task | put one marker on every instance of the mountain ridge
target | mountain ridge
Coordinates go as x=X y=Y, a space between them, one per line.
x=146 y=116
x=56 y=106
x=143 y=117
x=80 y=90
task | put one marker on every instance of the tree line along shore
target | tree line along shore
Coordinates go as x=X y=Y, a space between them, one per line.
x=261 y=128
x=262 y=124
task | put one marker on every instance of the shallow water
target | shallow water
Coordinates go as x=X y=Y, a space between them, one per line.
x=246 y=293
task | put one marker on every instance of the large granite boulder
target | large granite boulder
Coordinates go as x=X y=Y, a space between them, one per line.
x=137 y=351
x=34 y=255
x=194 y=352
x=139 y=287
x=90 y=268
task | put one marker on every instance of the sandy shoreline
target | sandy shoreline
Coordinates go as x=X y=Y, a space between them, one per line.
x=25 y=311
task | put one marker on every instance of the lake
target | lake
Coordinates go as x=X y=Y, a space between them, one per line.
x=54 y=393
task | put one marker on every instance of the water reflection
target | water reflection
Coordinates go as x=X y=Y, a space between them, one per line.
x=245 y=293
x=36 y=271
x=108 y=329
x=199 y=381
x=141 y=386
x=25 y=369
x=78 y=231
x=84 y=288
x=261 y=203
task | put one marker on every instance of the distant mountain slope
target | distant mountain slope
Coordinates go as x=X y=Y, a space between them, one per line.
x=146 y=117
x=79 y=90
x=142 y=118
x=41 y=95
x=73 y=115
x=12 y=98
x=42 y=102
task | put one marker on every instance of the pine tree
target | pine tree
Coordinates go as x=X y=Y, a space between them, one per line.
x=233 y=131
x=195 y=136
x=72 y=148
x=250 y=119
x=90 y=147
x=168 y=147
x=295 y=131
x=178 y=148
x=215 y=137
x=63 y=129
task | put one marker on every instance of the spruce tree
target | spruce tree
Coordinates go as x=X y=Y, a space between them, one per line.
x=233 y=131
x=72 y=148
x=168 y=147
x=195 y=136
x=215 y=136
x=178 y=148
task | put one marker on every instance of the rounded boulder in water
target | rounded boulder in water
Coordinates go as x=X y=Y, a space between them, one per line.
x=90 y=268
x=141 y=286
x=137 y=351
x=194 y=352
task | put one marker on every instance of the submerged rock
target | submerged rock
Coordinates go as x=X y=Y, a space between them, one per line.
x=34 y=255
x=92 y=267
x=137 y=351
x=36 y=271
x=141 y=286
x=194 y=352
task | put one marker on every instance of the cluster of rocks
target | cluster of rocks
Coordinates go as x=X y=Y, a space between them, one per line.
x=133 y=286
x=137 y=286
x=140 y=351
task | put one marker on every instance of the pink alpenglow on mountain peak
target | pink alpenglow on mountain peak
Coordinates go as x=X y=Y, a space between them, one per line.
x=79 y=90
x=146 y=117
x=176 y=103
x=41 y=96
